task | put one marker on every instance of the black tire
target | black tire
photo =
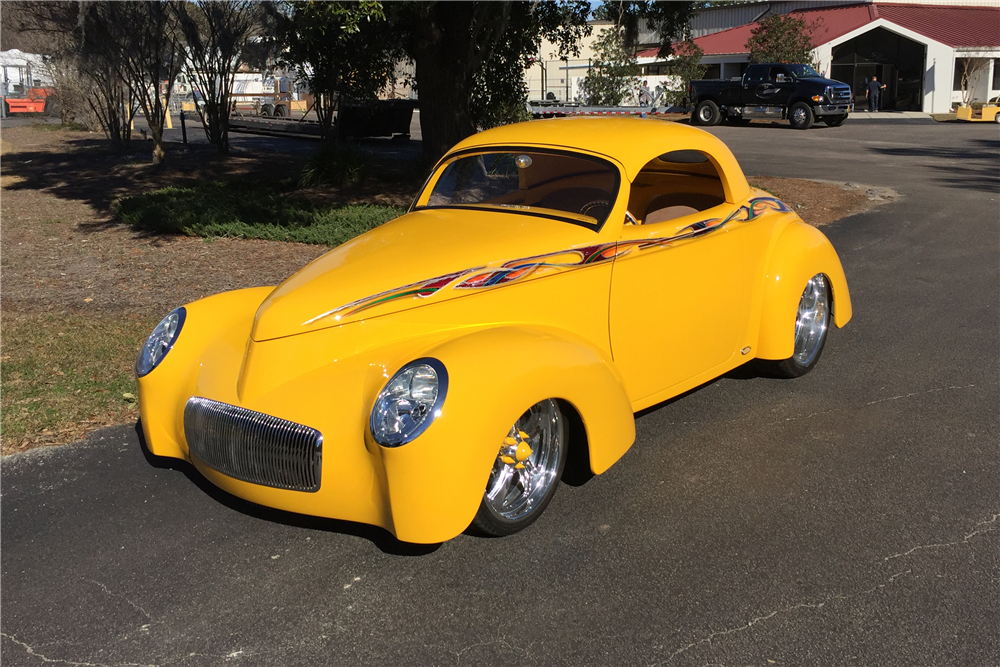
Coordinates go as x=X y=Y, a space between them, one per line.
x=835 y=121
x=814 y=303
x=280 y=111
x=800 y=116
x=706 y=114
x=267 y=111
x=515 y=498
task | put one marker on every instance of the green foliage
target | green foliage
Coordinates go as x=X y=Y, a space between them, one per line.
x=669 y=20
x=247 y=209
x=333 y=164
x=780 y=38
x=686 y=66
x=345 y=50
x=499 y=93
x=615 y=74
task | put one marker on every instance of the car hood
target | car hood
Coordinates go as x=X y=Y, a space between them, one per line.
x=419 y=258
x=823 y=81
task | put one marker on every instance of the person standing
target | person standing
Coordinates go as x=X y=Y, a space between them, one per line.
x=645 y=96
x=874 y=93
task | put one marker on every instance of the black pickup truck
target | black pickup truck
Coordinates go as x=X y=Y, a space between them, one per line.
x=772 y=90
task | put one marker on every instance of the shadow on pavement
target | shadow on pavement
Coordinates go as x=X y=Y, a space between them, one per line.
x=382 y=539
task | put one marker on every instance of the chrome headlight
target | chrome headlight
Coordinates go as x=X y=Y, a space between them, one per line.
x=409 y=402
x=160 y=342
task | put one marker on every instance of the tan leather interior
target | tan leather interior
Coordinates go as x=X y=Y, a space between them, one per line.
x=668 y=213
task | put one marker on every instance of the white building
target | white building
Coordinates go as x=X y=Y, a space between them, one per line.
x=915 y=47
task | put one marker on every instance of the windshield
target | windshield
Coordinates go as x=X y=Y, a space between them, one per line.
x=803 y=71
x=574 y=188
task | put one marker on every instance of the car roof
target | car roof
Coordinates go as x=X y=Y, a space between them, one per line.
x=633 y=142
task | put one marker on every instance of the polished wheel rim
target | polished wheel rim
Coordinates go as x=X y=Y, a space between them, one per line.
x=705 y=114
x=799 y=116
x=528 y=462
x=812 y=320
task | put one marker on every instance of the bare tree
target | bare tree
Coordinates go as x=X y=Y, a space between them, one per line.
x=971 y=69
x=150 y=42
x=217 y=35
x=84 y=64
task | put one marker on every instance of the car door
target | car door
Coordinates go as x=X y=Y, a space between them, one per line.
x=679 y=299
x=776 y=89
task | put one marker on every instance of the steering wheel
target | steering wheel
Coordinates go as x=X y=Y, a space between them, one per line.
x=591 y=205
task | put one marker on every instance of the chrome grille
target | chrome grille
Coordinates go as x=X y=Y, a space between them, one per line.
x=254 y=447
x=840 y=94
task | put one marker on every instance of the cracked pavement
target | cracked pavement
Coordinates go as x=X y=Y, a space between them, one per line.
x=848 y=517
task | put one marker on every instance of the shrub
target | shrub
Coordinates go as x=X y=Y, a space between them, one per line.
x=248 y=209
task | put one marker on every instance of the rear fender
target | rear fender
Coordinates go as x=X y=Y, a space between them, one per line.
x=435 y=483
x=799 y=253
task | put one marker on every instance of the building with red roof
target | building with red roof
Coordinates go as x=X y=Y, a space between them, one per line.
x=917 y=49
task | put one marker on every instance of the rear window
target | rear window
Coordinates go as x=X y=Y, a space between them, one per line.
x=571 y=187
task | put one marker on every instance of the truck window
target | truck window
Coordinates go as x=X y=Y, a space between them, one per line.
x=756 y=73
x=777 y=71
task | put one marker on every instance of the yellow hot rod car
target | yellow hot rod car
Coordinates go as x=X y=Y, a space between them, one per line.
x=549 y=280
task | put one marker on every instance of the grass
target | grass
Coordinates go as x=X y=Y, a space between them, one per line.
x=248 y=209
x=64 y=375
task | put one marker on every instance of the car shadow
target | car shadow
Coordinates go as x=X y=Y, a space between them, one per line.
x=752 y=370
x=381 y=538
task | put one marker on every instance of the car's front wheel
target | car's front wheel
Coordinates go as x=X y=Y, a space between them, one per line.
x=812 y=322
x=526 y=471
x=800 y=116
x=835 y=121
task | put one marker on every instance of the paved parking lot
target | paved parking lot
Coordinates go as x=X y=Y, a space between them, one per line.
x=848 y=517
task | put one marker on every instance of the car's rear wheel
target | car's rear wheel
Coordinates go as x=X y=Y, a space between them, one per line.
x=706 y=113
x=835 y=121
x=526 y=472
x=812 y=323
x=800 y=116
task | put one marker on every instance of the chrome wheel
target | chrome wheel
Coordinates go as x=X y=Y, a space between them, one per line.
x=799 y=116
x=526 y=471
x=812 y=321
x=705 y=114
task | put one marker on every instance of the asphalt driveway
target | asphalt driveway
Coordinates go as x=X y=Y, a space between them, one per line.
x=850 y=517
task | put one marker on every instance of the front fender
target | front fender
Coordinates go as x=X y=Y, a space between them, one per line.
x=215 y=333
x=799 y=253
x=436 y=482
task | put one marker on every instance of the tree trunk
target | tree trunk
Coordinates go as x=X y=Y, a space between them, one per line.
x=446 y=61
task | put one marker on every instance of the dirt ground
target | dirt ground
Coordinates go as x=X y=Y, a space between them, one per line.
x=63 y=253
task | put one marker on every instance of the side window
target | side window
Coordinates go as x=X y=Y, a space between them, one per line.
x=778 y=74
x=674 y=185
x=756 y=74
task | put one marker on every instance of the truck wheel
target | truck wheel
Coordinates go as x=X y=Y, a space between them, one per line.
x=835 y=121
x=800 y=116
x=280 y=111
x=266 y=110
x=706 y=113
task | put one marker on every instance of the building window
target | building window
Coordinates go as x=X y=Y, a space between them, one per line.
x=996 y=74
x=957 y=86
